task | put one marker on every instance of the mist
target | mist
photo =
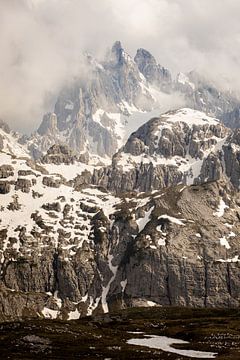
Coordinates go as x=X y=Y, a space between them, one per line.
x=42 y=42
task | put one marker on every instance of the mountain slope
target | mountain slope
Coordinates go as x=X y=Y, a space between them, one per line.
x=69 y=246
x=9 y=142
x=184 y=146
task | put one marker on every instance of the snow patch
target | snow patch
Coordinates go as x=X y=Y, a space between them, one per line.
x=142 y=222
x=224 y=242
x=221 y=209
x=151 y=303
x=49 y=313
x=173 y=219
x=233 y=260
x=166 y=344
x=105 y=289
x=74 y=315
x=123 y=285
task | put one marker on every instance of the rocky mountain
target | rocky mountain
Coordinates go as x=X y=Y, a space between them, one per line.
x=97 y=111
x=160 y=226
x=201 y=94
x=184 y=146
x=153 y=72
x=90 y=114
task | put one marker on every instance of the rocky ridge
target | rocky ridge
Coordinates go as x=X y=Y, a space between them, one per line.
x=73 y=242
x=184 y=146
x=91 y=112
x=203 y=95
x=96 y=112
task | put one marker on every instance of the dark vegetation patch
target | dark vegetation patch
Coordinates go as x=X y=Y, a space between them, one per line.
x=105 y=336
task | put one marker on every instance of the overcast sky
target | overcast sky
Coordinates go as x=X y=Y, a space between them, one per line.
x=41 y=43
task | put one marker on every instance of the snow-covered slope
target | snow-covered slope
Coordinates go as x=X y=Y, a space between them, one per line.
x=47 y=207
x=10 y=145
x=183 y=146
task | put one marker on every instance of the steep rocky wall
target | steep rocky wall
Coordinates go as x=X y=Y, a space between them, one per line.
x=174 y=247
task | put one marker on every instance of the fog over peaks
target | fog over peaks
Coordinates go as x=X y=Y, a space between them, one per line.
x=42 y=41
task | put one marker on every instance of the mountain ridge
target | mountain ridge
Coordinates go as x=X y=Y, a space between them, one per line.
x=73 y=243
x=95 y=112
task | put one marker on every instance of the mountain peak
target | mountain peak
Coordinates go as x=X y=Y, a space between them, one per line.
x=119 y=55
x=117 y=51
x=144 y=54
x=153 y=72
x=117 y=46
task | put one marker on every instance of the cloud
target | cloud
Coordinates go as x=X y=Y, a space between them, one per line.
x=42 y=41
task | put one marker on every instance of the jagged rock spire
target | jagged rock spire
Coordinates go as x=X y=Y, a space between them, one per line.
x=153 y=72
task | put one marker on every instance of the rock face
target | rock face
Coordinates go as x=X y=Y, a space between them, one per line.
x=173 y=273
x=51 y=182
x=154 y=73
x=23 y=184
x=6 y=171
x=91 y=110
x=232 y=118
x=232 y=158
x=62 y=154
x=160 y=225
x=151 y=252
x=184 y=146
x=4 y=187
